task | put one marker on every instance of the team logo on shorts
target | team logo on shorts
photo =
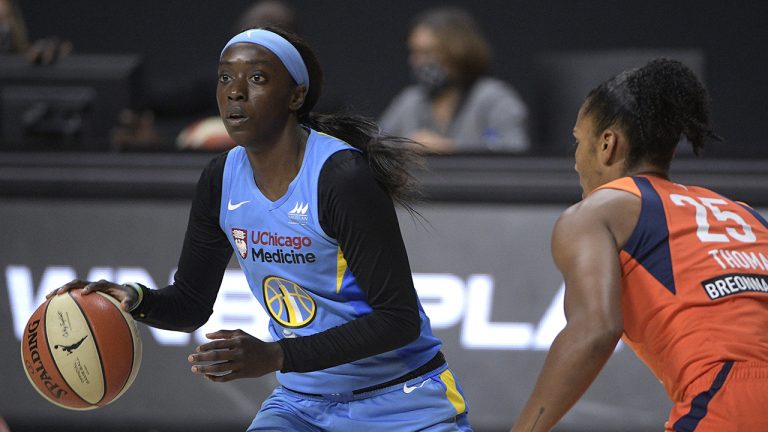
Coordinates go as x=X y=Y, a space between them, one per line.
x=241 y=241
x=288 y=303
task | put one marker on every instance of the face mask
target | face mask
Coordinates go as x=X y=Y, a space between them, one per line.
x=430 y=76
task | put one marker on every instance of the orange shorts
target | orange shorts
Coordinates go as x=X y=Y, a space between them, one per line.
x=731 y=398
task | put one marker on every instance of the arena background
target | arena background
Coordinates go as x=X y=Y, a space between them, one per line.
x=481 y=260
x=361 y=46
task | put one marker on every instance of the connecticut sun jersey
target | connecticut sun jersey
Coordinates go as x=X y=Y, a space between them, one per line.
x=299 y=274
x=694 y=281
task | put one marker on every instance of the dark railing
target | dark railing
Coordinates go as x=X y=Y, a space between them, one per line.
x=478 y=178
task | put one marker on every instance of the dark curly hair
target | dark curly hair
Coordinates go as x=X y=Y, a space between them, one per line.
x=656 y=106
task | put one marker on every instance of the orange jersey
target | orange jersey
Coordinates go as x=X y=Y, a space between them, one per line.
x=694 y=281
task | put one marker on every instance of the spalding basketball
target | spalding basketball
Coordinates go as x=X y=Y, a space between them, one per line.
x=81 y=351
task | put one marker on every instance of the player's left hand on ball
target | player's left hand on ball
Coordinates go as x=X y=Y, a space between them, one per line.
x=235 y=354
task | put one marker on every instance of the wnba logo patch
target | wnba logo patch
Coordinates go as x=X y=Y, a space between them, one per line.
x=288 y=303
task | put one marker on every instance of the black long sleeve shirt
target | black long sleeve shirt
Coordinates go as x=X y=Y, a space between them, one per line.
x=354 y=210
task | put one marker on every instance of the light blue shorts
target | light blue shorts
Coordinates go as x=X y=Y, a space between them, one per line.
x=433 y=402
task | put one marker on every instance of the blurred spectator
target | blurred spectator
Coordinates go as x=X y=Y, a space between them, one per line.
x=209 y=133
x=13 y=38
x=194 y=97
x=268 y=13
x=136 y=131
x=455 y=106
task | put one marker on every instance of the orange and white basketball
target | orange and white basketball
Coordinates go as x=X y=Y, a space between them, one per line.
x=81 y=351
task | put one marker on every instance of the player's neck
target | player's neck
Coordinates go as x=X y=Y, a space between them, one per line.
x=646 y=169
x=276 y=167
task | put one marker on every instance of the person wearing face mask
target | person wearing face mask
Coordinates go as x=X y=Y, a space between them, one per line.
x=454 y=105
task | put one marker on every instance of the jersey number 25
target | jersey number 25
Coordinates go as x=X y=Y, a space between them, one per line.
x=706 y=205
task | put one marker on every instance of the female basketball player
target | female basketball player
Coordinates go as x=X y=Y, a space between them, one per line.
x=680 y=271
x=307 y=204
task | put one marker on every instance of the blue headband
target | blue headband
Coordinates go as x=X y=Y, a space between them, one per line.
x=283 y=49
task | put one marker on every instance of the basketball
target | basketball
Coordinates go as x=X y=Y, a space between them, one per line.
x=81 y=352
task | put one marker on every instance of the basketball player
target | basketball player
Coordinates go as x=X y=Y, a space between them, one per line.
x=679 y=271
x=306 y=202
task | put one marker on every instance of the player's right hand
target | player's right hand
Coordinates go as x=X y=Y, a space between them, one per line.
x=126 y=295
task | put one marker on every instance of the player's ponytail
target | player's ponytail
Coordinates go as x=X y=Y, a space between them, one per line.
x=656 y=105
x=392 y=159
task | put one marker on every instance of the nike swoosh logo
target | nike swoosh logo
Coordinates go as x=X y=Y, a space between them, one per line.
x=407 y=389
x=231 y=206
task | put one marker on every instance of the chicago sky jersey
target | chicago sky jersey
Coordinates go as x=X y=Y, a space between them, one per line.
x=299 y=274
x=694 y=281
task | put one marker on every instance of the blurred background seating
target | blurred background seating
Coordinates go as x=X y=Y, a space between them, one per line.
x=564 y=78
x=543 y=50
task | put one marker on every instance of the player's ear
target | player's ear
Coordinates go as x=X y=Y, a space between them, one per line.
x=298 y=95
x=608 y=149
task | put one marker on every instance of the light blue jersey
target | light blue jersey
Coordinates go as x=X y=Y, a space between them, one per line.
x=299 y=274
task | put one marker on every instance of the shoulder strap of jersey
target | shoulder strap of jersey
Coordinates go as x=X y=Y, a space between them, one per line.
x=625 y=183
x=233 y=159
